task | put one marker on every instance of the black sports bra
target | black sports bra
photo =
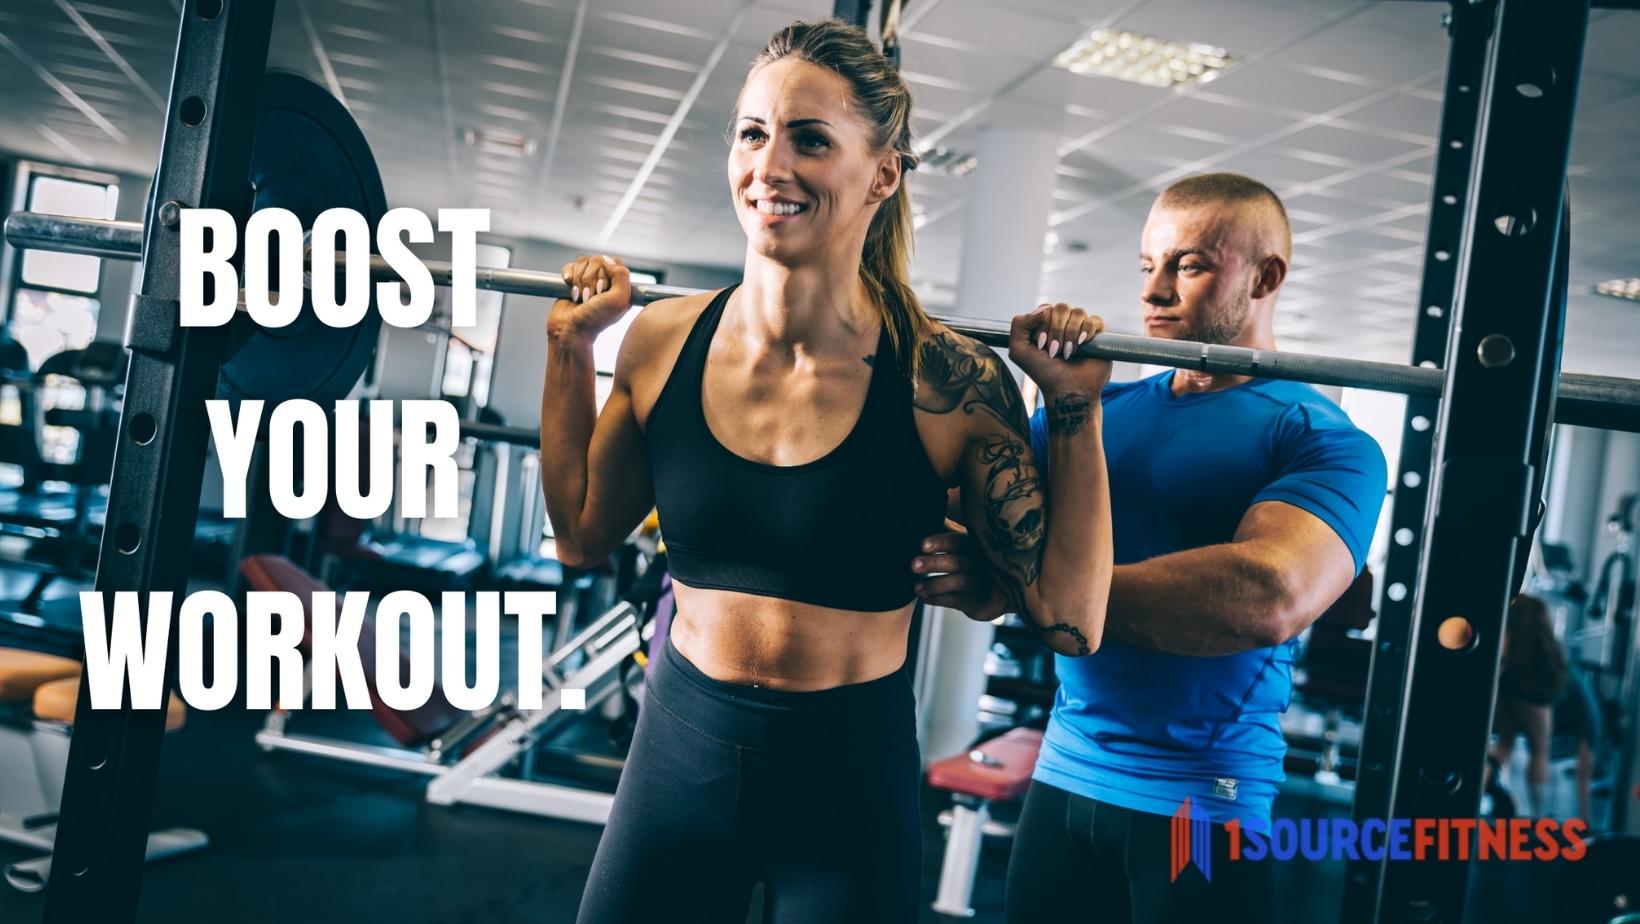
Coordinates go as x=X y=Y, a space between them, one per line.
x=839 y=531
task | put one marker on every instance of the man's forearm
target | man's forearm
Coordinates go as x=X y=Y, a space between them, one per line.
x=1069 y=599
x=1204 y=602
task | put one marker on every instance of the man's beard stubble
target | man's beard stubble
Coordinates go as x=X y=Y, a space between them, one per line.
x=1222 y=326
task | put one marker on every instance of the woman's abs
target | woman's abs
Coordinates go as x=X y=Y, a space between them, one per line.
x=786 y=645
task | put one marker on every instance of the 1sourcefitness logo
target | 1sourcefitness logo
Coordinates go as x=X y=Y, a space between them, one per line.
x=1398 y=839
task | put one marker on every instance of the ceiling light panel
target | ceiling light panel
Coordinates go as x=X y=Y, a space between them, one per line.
x=1620 y=288
x=1143 y=59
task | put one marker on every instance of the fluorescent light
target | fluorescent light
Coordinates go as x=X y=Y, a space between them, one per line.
x=1143 y=59
x=1620 y=288
x=498 y=142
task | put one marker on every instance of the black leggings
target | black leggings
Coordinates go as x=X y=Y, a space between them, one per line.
x=814 y=795
x=1080 y=861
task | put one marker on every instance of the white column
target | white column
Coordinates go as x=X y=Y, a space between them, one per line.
x=1009 y=201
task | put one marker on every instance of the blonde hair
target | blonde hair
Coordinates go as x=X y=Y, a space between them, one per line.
x=885 y=101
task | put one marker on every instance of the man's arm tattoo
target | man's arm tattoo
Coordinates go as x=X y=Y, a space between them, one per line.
x=1068 y=414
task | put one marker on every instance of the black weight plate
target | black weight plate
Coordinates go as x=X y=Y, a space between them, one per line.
x=1602 y=887
x=309 y=156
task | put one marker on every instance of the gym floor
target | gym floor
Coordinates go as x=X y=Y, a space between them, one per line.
x=293 y=837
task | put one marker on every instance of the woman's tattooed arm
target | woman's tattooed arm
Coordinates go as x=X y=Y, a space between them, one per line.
x=1002 y=487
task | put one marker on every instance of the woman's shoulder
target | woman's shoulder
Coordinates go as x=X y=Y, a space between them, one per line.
x=957 y=372
x=946 y=358
x=661 y=326
x=939 y=336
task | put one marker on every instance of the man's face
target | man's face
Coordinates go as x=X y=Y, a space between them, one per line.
x=1198 y=271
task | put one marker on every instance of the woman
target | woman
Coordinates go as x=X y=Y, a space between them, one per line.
x=1530 y=681
x=795 y=483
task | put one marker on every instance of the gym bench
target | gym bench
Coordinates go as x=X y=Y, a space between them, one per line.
x=38 y=695
x=997 y=771
x=464 y=753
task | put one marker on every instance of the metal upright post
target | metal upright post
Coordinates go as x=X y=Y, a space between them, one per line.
x=1470 y=27
x=159 y=464
x=852 y=11
x=1482 y=483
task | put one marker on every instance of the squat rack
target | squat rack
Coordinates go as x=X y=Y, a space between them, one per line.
x=108 y=794
x=1511 y=98
x=1496 y=229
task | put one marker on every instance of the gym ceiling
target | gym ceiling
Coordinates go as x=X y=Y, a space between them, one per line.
x=1333 y=102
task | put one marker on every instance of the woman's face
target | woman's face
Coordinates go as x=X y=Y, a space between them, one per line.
x=802 y=171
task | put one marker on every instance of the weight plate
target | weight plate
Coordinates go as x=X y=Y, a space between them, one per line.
x=309 y=156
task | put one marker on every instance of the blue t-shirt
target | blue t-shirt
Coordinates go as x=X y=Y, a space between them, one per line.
x=1144 y=729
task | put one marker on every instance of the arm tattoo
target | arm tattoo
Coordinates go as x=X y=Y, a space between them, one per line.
x=957 y=373
x=1082 y=648
x=1016 y=527
x=1015 y=514
x=1067 y=414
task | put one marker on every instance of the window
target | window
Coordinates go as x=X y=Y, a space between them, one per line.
x=1382 y=416
x=470 y=354
x=59 y=196
x=608 y=345
x=47 y=323
x=54 y=307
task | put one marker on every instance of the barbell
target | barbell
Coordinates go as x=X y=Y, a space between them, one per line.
x=1584 y=400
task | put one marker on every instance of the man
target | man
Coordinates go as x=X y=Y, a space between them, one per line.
x=1242 y=509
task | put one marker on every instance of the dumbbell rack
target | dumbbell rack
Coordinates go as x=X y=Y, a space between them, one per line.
x=1030 y=691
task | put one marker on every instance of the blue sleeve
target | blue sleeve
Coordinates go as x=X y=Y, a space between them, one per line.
x=1330 y=468
x=1039 y=439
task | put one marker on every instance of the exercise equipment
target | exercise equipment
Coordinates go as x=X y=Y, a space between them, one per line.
x=997 y=771
x=1332 y=686
x=1611 y=605
x=1619 y=584
x=464 y=753
x=1605 y=648
x=60 y=504
x=37 y=700
x=1582 y=400
x=309 y=156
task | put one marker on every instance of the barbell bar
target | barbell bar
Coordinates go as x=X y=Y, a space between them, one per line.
x=1603 y=402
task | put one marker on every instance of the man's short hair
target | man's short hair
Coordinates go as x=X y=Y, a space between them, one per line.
x=1228 y=189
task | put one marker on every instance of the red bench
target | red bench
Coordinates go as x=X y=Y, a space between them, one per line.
x=997 y=771
x=411 y=728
